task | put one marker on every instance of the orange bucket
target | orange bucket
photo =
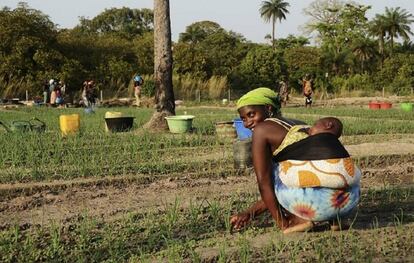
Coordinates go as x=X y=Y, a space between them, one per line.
x=373 y=105
x=385 y=105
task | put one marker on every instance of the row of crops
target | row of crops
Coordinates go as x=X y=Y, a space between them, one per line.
x=193 y=228
x=95 y=153
x=201 y=232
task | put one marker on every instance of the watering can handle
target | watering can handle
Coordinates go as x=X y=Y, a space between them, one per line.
x=5 y=126
x=36 y=119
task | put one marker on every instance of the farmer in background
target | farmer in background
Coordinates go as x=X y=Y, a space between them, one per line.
x=283 y=92
x=91 y=93
x=307 y=84
x=138 y=81
x=62 y=87
x=293 y=208
x=59 y=97
x=52 y=88
x=84 y=94
x=45 y=92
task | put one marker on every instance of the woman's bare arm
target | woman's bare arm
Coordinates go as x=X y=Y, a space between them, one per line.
x=242 y=219
x=265 y=135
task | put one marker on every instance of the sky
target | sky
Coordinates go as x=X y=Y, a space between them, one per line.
x=241 y=16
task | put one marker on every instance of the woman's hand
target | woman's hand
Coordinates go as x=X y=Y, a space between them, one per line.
x=241 y=220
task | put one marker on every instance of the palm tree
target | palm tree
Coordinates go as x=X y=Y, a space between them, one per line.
x=364 y=50
x=164 y=94
x=192 y=35
x=271 y=11
x=378 y=28
x=398 y=23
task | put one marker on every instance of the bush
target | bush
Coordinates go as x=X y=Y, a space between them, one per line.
x=148 y=89
x=353 y=83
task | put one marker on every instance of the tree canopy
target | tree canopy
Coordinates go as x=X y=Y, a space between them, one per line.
x=124 y=22
x=345 y=48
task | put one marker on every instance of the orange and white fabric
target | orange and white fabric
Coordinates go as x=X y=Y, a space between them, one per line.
x=330 y=173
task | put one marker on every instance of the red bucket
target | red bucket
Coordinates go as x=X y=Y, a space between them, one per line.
x=385 y=105
x=373 y=105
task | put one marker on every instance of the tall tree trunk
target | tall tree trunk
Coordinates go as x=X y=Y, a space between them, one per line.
x=273 y=31
x=164 y=94
x=381 y=45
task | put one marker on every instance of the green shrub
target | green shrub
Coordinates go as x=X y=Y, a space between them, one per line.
x=148 y=89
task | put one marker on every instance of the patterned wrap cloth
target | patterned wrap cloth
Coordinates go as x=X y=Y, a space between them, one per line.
x=334 y=173
x=301 y=185
x=315 y=203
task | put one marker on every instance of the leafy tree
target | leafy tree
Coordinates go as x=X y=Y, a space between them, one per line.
x=222 y=53
x=217 y=53
x=144 y=51
x=199 y=31
x=28 y=41
x=189 y=59
x=262 y=66
x=396 y=73
x=364 y=51
x=378 y=28
x=404 y=82
x=339 y=39
x=322 y=11
x=405 y=47
x=164 y=94
x=125 y=22
x=398 y=23
x=110 y=60
x=291 y=41
x=272 y=10
x=301 y=61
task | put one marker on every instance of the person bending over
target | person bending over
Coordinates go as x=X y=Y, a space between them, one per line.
x=293 y=208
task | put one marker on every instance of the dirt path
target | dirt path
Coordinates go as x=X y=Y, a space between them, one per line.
x=110 y=198
x=110 y=201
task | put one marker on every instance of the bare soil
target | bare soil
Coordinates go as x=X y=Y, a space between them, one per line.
x=109 y=198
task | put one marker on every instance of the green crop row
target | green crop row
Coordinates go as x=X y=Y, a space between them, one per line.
x=178 y=232
x=95 y=153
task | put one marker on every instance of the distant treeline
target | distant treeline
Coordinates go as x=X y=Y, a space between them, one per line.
x=352 y=54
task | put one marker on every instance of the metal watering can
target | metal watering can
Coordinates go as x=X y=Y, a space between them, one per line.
x=34 y=124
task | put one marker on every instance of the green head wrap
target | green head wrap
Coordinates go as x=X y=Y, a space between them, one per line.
x=260 y=96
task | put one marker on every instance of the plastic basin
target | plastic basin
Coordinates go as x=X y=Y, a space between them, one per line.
x=242 y=132
x=406 y=106
x=180 y=123
x=119 y=124
x=385 y=105
x=373 y=105
x=111 y=114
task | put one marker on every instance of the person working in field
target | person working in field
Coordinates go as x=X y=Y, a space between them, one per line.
x=138 y=82
x=283 y=92
x=306 y=201
x=307 y=84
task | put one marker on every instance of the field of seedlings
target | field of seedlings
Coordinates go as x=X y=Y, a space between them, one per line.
x=143 y=196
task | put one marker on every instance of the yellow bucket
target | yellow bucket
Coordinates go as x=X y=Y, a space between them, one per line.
x=111 y=114
x=69 y=124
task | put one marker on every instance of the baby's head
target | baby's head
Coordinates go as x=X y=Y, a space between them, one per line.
x=327 y=125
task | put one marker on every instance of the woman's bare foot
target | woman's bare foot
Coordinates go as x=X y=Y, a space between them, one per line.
x=303 y=227
x=297 y=224
x=338 y=225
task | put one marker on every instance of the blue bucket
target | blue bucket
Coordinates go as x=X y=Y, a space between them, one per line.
x=242 y=132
